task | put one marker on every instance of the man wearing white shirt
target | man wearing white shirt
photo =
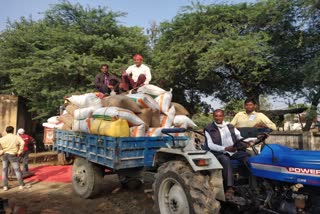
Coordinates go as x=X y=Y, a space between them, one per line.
x=220 y=140
x=140 y=74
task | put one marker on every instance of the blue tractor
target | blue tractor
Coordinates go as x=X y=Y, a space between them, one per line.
x=276 y=180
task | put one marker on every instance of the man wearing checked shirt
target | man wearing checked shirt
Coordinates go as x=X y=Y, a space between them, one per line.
x=251 y=118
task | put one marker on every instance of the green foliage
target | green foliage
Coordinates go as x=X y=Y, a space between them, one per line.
x=228 y=51
x=202 y=120
x=264 y=103
x=45 y=61
x=233 y=106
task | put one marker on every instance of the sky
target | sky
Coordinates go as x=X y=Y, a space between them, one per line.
x=139 y=13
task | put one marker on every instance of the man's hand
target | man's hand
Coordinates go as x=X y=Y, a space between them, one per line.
x=247 y=144
x=230 y=149
x=19 y=154
x=250 y=143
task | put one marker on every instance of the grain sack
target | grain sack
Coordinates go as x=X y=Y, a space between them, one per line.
x=81 y=125
x=137 y=131
x=117 y=128
x=164 y=101
x=85 y=100
x=53 y=120
x=110 y=113
x=155 y=120
x=66 y=119
x=183 y=121
x=52 y=126
x=121 y=101
x=146 y=116
x=83 y=113
x=144 y=101
x=71 y=108
x=66 y=127
x=166 y=120
x=154 y=132
x=151 y=90
x=180 y=109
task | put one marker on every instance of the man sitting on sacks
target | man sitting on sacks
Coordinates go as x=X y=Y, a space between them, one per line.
x=105 y=81
x=140 y=75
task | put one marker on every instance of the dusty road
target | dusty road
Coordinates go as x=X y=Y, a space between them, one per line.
x=55 y=197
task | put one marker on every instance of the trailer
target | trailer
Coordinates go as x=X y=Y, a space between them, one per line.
x=187 y=180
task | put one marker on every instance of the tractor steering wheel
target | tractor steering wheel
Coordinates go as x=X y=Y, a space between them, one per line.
x=260 y=138
x=239 y=143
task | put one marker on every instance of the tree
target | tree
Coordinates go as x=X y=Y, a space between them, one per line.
x=46 y=60
x=226 y=51
x=310 y=73
x=311 y=89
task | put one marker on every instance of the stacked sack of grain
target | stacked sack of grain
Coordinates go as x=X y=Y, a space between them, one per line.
x=80 y=109
x=144 y=113
x=164 y=111
x=150 y=111
x=123 y=107
x=67 y=117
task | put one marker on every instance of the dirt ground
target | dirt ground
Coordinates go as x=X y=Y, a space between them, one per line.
x=54 y=197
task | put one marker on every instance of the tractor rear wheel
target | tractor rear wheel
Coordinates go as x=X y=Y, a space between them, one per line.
x=179 y=190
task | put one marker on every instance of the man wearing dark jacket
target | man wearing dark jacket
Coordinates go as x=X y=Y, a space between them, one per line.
x=103 y=80
x=220 y=140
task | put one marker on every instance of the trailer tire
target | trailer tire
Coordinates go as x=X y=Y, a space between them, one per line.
x=177 y=189
x=87 y=178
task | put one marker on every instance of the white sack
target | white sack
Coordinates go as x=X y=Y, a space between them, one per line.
x=164 y=101
x=183 y=121
x=144 y=101
x=85 y=100
x=154 y=132
x=83 y=113
x=53 y=120
x=166 y=120
x=81 y=125
x=137 y=131
x=151 y=90
x=126 y=114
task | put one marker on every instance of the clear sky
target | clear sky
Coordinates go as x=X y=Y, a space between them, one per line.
x=139 y=12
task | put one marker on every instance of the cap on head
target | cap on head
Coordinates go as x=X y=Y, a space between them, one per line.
x=20 y=131
x=138 y=57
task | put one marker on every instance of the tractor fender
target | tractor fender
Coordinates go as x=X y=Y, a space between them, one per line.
x=166 y=154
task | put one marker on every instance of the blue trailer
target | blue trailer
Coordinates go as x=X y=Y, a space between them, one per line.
x=179 y=168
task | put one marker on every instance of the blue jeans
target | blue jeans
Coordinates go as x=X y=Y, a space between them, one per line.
x=25 y=160
x=14 y=161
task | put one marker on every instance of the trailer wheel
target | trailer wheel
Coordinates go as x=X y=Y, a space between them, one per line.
x=179 y=190
x=87 y=178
